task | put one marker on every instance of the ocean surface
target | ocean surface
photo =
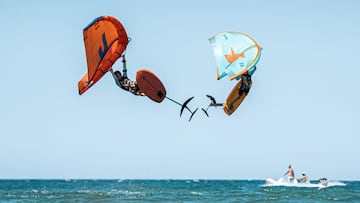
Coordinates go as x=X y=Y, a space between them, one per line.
x=172 y=191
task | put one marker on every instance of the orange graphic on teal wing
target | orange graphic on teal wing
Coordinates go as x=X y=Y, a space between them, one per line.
x=233 y=56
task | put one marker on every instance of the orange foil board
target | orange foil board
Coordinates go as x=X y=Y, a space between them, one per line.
x=233 y=101
x=151 y=85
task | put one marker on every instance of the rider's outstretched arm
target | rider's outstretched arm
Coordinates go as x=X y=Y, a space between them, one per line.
x=124 y=67
x=115 y=78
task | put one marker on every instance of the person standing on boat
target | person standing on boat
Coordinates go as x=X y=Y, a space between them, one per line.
x=290 y=173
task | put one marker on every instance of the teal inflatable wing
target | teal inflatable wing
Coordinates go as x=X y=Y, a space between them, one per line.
x=235 y=54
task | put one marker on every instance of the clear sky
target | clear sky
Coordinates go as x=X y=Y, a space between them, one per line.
x=303 y=108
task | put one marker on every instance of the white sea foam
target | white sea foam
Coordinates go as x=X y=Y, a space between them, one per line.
x=85 y=191
x=196 y=193
x=335 y=183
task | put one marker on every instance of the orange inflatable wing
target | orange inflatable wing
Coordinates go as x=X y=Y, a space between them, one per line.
x=105 y=41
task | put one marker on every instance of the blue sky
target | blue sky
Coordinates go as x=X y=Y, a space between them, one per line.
x=303 y=108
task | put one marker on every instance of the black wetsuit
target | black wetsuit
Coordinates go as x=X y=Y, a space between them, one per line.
x=245 y=84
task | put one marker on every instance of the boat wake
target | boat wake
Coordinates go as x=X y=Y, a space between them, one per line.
x=322 y=183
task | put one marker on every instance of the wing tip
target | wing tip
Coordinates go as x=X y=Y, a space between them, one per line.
x=206 y=113
x=184 y=105
x=192 y=114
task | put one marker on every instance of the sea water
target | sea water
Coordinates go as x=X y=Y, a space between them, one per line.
x=172 y=191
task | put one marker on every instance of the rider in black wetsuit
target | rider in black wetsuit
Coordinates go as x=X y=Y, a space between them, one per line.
x=124 y=82
x=245 y=84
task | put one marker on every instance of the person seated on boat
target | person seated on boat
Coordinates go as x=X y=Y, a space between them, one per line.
x=290 y=173
x=304 y=178
x=323 y=181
